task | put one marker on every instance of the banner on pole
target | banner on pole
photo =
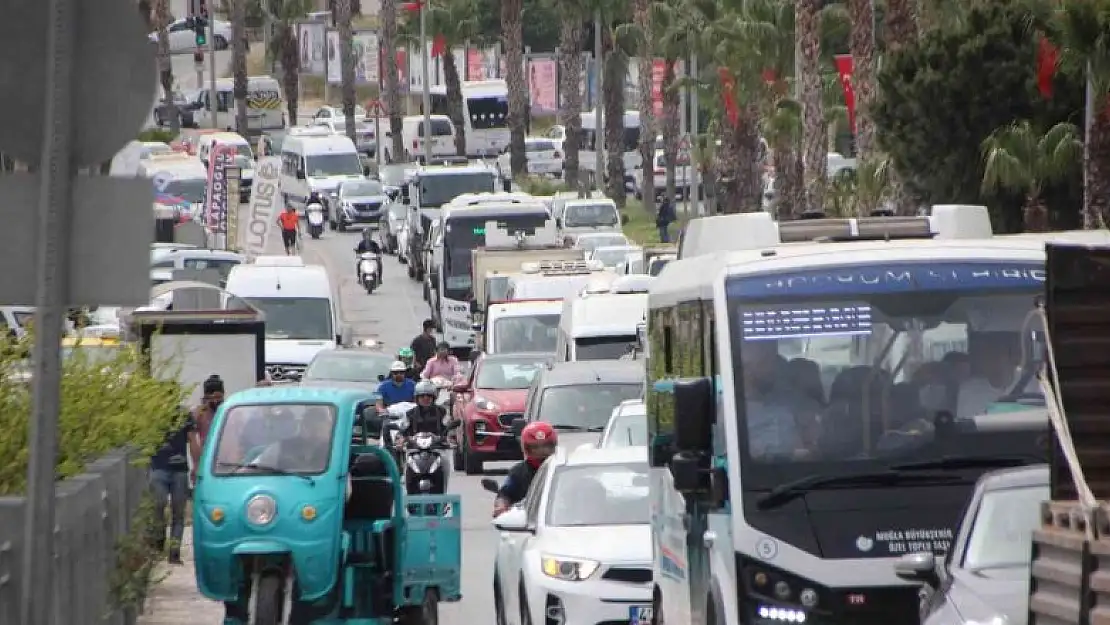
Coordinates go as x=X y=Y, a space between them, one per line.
x=215 y=214
x=844 y=68
x=262 y=209
x=543 y=84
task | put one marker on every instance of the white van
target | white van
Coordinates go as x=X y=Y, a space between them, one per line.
x=524 y=326
x=485 y=114
x=302 y=314
x=574 y=216
x=601 y=322
x=412 y=137
x=314 y=159
x=244 y=157
x=179 y=181
x=265 y=107
x=590 y=140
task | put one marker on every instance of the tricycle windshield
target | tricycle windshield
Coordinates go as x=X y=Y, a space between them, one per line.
x=279 y=439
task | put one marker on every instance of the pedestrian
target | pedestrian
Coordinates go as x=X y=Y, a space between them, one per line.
x=169 y=480
x=213 y=389
x=424 y=345
x=664 y=219
x=289 y=223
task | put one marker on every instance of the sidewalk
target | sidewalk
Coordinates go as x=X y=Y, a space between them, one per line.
x=175 y=599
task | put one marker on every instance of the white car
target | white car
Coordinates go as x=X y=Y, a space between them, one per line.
x=614 y=256
x=365 y=139
x=593 y=240
x=544 y=158
x=577 y=550
x=184 y=39
x=627 y=426
x=326 y=114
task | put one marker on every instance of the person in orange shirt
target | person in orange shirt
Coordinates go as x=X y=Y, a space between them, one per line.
x=289 y=223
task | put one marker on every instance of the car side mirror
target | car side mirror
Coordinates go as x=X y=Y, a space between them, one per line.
x=917 y=567
x=461 y=388
x=694 y=400
x=624 y=220
x=518 y=426
x=513 y=520
x=490 y=485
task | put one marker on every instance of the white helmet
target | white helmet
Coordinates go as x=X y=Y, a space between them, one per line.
x=398 y=367
x=426 y=387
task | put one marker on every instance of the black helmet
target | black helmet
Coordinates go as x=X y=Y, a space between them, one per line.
x=443 y=345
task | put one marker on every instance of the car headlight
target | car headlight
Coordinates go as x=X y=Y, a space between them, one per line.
x=568 y=569
x=485 y=405
x=261 y=510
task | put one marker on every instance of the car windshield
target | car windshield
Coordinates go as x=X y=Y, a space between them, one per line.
x=190 y=190
x=604 y=347
x=275 y=439
x=533 y=333
x=585 y=406
x=348 y=367
x=437 y=190
x=1003 y=528
x=851 y=368
x=323 y=165
x=369 y=187
x=612 y=256
x=296 y=318
x=599 y=494
x=592 y=243
x=244 y=153
x=506 y=374
x=628 y=430
x=591 y=215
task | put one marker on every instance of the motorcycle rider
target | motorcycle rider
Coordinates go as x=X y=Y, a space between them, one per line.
x=397 y=388
x=407 y=356
x=315 y=199
x=538 y=441
x=426 y=416
x=368 y=244
x=443 y=365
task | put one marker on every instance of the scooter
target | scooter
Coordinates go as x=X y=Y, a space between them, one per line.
x=368 y=271
x=425 y=471
x=314 y=213
x=396 y=421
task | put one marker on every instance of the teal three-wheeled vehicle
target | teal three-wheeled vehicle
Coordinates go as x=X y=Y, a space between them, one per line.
x=299 y=519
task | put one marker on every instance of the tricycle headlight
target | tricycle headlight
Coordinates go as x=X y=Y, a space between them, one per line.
x=568 y=569
x=261 y=510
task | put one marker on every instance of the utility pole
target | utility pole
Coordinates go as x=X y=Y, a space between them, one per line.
x=213 y=94
x=695 y=179
x=599 y=117
x=427 y=95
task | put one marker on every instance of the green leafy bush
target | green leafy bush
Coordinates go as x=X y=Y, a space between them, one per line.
x=109 y=400
x=536 y=185
x=157 y=134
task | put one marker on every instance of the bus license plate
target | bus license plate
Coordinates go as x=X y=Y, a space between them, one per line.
x=639 y=615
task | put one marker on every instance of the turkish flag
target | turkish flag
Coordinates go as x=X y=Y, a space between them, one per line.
x=844 y=70
x=412 y=6
x=1047 y=56
x=728 y=87
x=439 y=45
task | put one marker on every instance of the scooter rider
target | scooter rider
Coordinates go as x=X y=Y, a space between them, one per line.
x=407 y=356
x=397 y=388
x=314 y=198
x=368 y=244
x=426 y=416
x=538 y=441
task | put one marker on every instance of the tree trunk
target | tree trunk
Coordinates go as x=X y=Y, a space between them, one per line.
x=571 y=35
x=670 y=127
x=346 y=64
x=1034 y=214
x=388 y=19
x=814 y=138
x=512 y=42
x=239 y=62
x=454 y=99
x=862 y=45
x=900 y=30
x=165 y=67
x=789 y=189
x=612 y=98
x=145 y=10
x=740 y=187
x=1098 y=170
x=290 y=69
x=641 y=14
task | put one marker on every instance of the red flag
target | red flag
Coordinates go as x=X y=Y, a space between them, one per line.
x=728 y=87
x=439 y=45
x=844 y=69
x=412 y=6
x=1047 y=56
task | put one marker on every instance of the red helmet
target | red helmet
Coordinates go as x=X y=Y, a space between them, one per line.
x=536 y=436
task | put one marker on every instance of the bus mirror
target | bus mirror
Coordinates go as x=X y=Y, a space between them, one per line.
x=687 y=472
x=474 y=308
x=693 y=399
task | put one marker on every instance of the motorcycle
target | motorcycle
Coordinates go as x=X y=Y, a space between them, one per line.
x=314 y=213
x=396 y=421
x=425 y=470
x=368 y=271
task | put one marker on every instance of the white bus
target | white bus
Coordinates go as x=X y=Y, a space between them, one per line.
x=485 y=114
x=265 y=105
x=797 y=446
x=590 y=140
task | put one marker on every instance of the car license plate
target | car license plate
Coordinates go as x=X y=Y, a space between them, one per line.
x=639 y=615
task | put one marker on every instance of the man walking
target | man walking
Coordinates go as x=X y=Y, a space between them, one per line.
x=664 y=219
x=169 y=480
x=424 y=345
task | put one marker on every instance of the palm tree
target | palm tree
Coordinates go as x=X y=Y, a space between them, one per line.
x=645 y=65
x=456 y=22
x=1020 y=159
x=392 y=95
x=861 y=13
x=572 y=36
x=860 y=192
x=165 y=67
x=284 y=47
x=671 y=30
x=900 y=30
x=239 y=62
x=346 y=64
x=512 y=42
x=807 y=30
x=619 y=43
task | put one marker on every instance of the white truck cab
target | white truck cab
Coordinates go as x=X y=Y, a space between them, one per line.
x=600 y=323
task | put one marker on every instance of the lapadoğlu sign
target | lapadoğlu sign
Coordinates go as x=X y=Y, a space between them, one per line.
x=215 y=208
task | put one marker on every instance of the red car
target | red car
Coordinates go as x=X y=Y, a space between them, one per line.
x=487 y=403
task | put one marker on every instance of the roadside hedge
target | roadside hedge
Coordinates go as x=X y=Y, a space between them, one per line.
x=109 y=400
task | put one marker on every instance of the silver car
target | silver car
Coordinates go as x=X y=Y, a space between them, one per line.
x=359 y=202
x=984 y=577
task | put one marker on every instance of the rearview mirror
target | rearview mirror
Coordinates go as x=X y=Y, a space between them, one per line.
x=490 y=485
x=513 y=520
x=917 y=567
x=624 y=220
x=694 y=400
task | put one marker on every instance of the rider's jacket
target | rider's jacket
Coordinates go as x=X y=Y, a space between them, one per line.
x=516 y=483
x=365 y=246
x=429 y=419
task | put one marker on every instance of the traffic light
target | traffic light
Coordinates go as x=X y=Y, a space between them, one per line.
x=199 y=26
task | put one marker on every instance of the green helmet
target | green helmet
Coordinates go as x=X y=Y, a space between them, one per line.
x=406 y=354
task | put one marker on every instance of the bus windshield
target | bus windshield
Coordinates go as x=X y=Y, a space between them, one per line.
x=857 y=368
x=439 y=189
x=464 y=234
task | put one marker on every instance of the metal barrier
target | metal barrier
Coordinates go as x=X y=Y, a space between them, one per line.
x=94 y=511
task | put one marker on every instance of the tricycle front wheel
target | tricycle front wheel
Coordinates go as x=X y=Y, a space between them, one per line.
x=426 y=613
x=268 y=601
